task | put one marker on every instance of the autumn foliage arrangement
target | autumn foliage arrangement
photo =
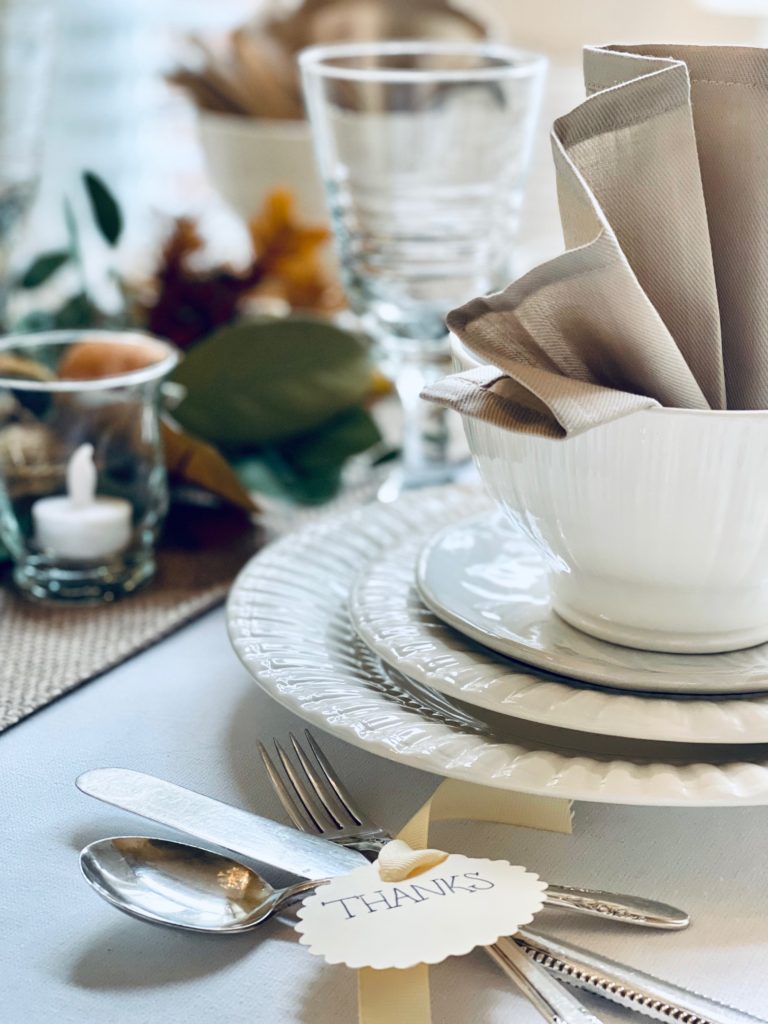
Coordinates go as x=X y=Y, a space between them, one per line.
x=272 y=403
x=188 y=303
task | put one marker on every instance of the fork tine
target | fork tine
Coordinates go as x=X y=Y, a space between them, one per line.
x=304 y=793
x=323 y=791
x=333 y=779
x=300 y=818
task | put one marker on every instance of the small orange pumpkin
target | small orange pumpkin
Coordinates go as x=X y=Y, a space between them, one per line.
x=94 y=359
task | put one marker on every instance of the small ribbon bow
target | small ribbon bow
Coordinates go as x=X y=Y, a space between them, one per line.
x=398 y=861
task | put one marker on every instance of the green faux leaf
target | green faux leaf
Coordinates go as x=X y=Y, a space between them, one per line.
x=33 y=321
x=72 y=232
x=389 y=455
x=106 y=212
x=76 y=312
x=270 y=473
x=351 y=432
x=308 y=469
x=266 y=381
x=257 y=474
x=44 y=267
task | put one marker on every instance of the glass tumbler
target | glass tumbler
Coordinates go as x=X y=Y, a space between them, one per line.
x=83 y=487
x=423 y=148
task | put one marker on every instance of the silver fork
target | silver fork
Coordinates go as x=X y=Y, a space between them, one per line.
x=316 y=801
x=324 y=807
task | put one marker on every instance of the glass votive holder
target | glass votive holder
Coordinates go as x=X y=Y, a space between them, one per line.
x=83 y=488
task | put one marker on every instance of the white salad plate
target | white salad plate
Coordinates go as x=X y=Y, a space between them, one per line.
x=487 y=579
x=389 y=615
x=289 y=623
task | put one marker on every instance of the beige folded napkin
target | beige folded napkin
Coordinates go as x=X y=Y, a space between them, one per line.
x=662 y=296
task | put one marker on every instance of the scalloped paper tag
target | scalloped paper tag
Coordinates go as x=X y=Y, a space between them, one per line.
x=462 y=902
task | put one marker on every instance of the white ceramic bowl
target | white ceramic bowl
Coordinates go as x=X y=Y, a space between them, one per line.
x=248 y=157
x=655 y=526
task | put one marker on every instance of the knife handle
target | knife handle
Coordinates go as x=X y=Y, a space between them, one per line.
x=628 y=987
x=617 y=907
x=217 y=823
x=553 y=1001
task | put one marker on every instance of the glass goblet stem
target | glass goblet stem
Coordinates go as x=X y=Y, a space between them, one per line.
x=425 y=434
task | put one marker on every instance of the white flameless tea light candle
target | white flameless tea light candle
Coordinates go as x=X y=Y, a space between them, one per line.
x=79 y=525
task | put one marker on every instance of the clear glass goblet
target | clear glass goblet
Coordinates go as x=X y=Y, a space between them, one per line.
x=423 y=148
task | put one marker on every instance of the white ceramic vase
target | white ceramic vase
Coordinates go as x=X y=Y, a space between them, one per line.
x=249 y=157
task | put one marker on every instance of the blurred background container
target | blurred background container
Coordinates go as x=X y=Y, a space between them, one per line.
x=26 y=44
x=113 y=112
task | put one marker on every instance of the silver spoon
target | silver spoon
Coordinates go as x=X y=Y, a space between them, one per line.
x=182 y=886
x=186 y=887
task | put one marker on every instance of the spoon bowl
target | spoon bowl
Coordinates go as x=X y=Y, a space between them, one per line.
x=181 y=886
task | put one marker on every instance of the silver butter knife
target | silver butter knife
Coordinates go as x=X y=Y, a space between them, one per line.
x=626 y=986
x=219 y=824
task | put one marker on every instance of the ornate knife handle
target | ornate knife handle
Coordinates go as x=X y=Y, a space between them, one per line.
x=617 y=906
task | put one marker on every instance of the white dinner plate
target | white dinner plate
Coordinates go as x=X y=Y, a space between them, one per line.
x=391 y=618
x=289 y=623
x=485 y=578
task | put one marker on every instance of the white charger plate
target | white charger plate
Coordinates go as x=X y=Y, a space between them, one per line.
x=487 y=579
x=391 y=618
x=289 y=623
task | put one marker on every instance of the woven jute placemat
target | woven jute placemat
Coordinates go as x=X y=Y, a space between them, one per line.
x=46 y=651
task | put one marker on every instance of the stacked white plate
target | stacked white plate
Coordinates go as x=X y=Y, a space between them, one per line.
x=422 y=631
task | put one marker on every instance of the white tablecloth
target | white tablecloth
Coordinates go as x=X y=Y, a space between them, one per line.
x=187 y=711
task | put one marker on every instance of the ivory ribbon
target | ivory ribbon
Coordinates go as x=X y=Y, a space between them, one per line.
x=402 y=996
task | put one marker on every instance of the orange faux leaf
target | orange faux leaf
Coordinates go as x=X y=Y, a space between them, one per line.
x=381 y=386
x=277 y=233
x=195 y=462
x=289 y=253
x=183 y=240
